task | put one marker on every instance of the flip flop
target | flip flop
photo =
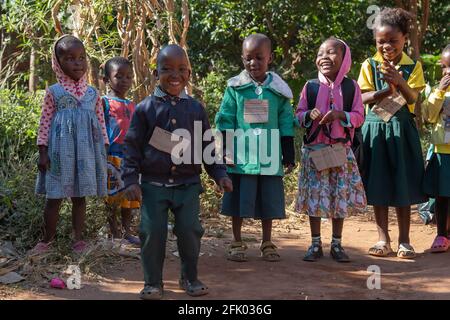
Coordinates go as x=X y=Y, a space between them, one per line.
x=133 y=240
x=440 y=244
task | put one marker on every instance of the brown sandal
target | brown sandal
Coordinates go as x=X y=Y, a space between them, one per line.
x=269 y=252
x=236 y=251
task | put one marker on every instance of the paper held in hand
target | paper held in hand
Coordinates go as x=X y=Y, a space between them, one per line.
x=387 y=107
x=329 y=157
x=256 y=111
x=165 y=141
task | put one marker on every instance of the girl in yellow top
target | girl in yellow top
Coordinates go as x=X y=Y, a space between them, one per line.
x=437 y=174
x=393 y=166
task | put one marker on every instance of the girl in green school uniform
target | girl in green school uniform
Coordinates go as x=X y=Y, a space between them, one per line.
x=257 y=103
x=393 y=168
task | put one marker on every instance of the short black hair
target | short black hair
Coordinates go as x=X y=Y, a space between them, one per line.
x=259 y=37
x=394 y=17
x=165 y=50
x=115 y=62
x=65 y=42
x=341 y=45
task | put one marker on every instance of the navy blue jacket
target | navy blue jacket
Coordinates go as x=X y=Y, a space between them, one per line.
x=155 y=165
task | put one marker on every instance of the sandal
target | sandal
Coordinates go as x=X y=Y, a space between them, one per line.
x=406 y=251
x=151 y=292
x=269 y=252
x=79 y=246
x=132 y=240
x=236 y=251
x=314 y=253
x=41 y=247
x=338 y=253
x=440 y=244
x=381 y=249
x=193 y=288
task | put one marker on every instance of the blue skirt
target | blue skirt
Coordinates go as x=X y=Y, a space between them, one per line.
x=255 y=196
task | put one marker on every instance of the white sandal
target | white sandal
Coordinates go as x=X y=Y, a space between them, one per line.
x=406 y=251
x=381 y=249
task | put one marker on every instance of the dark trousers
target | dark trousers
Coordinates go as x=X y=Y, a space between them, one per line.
x=184 y=202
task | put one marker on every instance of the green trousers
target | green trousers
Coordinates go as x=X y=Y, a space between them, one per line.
x=184 y=202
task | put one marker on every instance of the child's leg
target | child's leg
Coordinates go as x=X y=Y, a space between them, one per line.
x=315 y=250
x=188 y=229
x=404 y=222
x=266 y=229
x=337 y=252
x=126 y=221
x=442 y=216
x=112 y=220
x=78 y=217
x=237 y=226
x=314 y=225
x=51 y=215
x=382 y=221
x=338 y=225
x=153 y=231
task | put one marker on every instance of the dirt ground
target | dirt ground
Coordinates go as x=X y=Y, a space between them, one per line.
x=426 y=277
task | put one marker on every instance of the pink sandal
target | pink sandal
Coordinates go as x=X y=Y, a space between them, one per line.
x=41 y=247
x=440 y=244
x=79 y=246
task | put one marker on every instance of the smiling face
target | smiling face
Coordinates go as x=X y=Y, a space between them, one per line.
x=120 y=79
x=445 y=63
x=390 y=42
x=256 y=56
x=329 y=58
x=173 y=70
x=72 y=60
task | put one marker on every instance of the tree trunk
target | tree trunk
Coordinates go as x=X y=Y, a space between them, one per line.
x=32 y=80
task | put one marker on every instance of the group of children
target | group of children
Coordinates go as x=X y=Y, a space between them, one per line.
x=83 y=136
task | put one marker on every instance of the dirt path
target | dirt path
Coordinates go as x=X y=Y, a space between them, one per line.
x=427 y=277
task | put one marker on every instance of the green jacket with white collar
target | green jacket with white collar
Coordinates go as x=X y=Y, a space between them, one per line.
x=251 y=159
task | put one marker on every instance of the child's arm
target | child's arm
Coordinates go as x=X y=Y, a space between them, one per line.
x=357 y=113
x=304 y=115
x=226 y=117
x=215 y=171
x=367 y=86
x=101 y=118
x=47 y=113
x=286 y=127
x=395 y=78
x=433 y=105
x=133 y=146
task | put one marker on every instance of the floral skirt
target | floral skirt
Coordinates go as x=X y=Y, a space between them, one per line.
x=330 y=193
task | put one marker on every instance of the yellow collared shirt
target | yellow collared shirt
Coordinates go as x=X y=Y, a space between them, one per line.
x=416 y=79
x=432 y=112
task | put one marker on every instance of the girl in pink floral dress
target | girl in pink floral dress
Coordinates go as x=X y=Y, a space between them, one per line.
x=330 y=189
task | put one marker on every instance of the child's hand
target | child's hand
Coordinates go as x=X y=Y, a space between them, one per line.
x=44 y=162
x=289 y=167
x=133 y=193
x=229 y=161
x=445 y=82
x=315 y=114
x=225 y=184
x=390 y=74
x=332 y=115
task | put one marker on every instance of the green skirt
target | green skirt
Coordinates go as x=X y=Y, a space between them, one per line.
x=437 y=176
x=393 y=163
x=255 y=196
